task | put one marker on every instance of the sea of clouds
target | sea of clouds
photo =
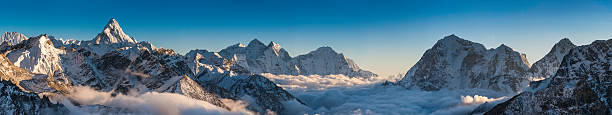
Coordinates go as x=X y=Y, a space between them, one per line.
x=329 y=94
x=86 y=101
x=339 y=94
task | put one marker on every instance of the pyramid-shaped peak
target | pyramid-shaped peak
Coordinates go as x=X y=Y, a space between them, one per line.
x=113 y=33
x=112 y=23
x=565 y=41
x=255 y=43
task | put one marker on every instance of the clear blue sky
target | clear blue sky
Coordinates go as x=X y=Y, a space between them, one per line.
x=385 y=36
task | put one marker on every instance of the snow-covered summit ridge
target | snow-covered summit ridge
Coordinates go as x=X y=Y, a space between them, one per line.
x=12 y=38
x=257 y=58
x=112 y=33
x=37 y=55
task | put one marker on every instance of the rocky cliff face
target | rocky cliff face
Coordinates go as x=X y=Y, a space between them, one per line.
x=581 y=85
x=455 y=63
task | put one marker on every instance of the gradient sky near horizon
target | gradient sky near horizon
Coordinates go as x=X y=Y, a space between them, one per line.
x=384 y=36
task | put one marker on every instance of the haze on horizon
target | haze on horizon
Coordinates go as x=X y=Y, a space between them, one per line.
x=386 y=37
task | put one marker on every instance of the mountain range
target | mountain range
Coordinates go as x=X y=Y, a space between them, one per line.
x=115 y=62
x=37 y=73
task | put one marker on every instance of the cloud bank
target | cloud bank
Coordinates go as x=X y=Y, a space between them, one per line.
x=317 y=82
x=89 y=101
x=338 y=94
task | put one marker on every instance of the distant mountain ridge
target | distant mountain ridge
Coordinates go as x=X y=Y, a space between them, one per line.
x=12 y=38
x=259 y=58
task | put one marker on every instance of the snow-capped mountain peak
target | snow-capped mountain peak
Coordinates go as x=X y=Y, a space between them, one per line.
x=456 y=63
x=258 y=58
x=37 y=55
x=456 y=43
x=12 y=38
x=113 y=33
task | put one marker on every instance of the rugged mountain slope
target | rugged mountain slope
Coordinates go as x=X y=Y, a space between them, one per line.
x=37 y=55
x=581 y=85
x=15 y=99
x=12 y=38
x=548 y=65
x=264 y=95
x=117 y=65
x=455 y=63
x=229 y=80
x=259 y=58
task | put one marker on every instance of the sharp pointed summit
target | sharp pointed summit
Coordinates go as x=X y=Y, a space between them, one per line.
x=255 y=43
x=113 y=33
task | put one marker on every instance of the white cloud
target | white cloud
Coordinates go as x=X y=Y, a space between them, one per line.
x=146 y=103
x=338 y=94
x=477 y=99
x=317 y=82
